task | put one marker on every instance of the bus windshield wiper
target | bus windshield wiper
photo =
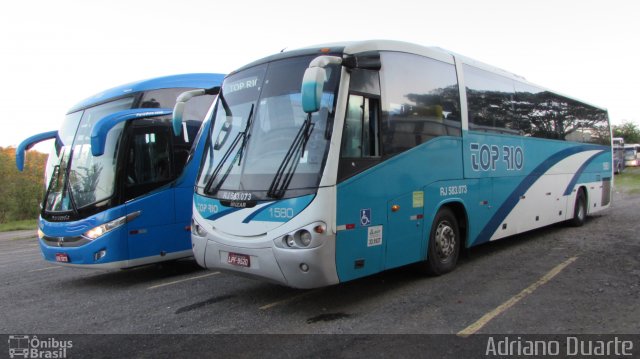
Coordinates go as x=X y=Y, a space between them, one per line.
x=241 y=135
x=287 y=168
x=67 y=185
x=54 y=175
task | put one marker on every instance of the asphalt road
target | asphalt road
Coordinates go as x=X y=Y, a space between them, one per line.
x=556 y=280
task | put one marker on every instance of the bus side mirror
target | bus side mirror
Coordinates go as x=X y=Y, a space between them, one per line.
x=178 y=109
x=30 y=142
x=313 y=82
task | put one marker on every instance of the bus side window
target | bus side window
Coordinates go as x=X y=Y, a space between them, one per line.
x=420 y=101
x=490 y=101
x=149 y=160
x=360 y=147
x=361 y=128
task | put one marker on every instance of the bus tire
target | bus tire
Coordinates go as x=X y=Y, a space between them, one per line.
x=444 y=244
x=579 y=210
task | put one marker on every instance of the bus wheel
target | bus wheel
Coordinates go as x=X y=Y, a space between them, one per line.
x=579 y=210
x=444 y=244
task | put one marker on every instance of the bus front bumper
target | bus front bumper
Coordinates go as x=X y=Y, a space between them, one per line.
x=297 y=268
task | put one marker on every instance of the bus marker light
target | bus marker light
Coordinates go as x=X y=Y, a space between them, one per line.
x=344 y=227
x=319 y=228
x=395 y=208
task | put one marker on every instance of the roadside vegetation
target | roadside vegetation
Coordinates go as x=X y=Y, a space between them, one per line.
x=21 y=192
x=19 y=225
x=628 y=181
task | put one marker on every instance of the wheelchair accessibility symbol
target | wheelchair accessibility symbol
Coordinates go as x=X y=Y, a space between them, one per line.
x=365 y=217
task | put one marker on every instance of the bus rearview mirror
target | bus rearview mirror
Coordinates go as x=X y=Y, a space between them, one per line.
x=313 y=82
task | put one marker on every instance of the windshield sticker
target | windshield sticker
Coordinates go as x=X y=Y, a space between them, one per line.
x=240 y=85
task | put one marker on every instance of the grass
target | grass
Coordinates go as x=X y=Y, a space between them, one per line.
x=19 y=225
x=628 y=181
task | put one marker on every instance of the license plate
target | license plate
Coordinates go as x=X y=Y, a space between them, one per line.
x=62 y=257
x=237 y=259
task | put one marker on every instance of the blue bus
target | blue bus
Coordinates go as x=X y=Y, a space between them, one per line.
x=119 y=184
x=331 y=163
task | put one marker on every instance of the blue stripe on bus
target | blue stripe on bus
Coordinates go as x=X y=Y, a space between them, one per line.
x=222 y=213
x=579 y=172
x=255 y=213
x=509 y=204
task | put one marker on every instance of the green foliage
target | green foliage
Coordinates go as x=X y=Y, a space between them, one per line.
x=628 y=181
x=19 y=225
x=629 y=131
x=21 y=192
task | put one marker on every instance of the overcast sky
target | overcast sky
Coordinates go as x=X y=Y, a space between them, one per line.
x=56 y=53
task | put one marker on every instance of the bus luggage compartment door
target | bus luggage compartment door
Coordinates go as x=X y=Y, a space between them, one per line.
x=405 y=229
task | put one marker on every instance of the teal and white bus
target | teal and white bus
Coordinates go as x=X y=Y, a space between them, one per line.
x=331 y=163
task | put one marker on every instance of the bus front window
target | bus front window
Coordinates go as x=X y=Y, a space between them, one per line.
x=79 y=178
x=255 y=122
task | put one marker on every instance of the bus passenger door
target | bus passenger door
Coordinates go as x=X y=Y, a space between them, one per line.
x=405 y=229
x=149 y=197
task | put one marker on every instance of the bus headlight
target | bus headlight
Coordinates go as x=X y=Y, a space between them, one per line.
x=289 y=240
x=305 y=237
x=105 y=228
x=309 y=236
x=196 y=229
x=40 y=233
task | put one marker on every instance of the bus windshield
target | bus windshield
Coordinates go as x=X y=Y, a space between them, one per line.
x=75 y=177
x=257 y=117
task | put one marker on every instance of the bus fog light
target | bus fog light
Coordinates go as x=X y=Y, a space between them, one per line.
x=304 y=267
x=289 y=240
x=99 y=254
x=40 y=233
x=305 y=237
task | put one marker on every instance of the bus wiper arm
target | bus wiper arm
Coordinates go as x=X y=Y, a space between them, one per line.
x=246 y=134
x=54 y=174
x=226 y=156
x=67 y=185
x=223 y=160
x=287 y=168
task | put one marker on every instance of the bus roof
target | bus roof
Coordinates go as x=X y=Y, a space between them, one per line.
x=195 y=80
x=354 y=47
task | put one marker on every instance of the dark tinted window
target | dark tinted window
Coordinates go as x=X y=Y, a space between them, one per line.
x=420 y=100
x=149 y=158
x=548 y=115
x=195 y=109
x=490 y=100
x=360 y=134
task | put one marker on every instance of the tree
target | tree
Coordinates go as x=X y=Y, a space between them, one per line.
x=21 y=192
x=628 y=130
